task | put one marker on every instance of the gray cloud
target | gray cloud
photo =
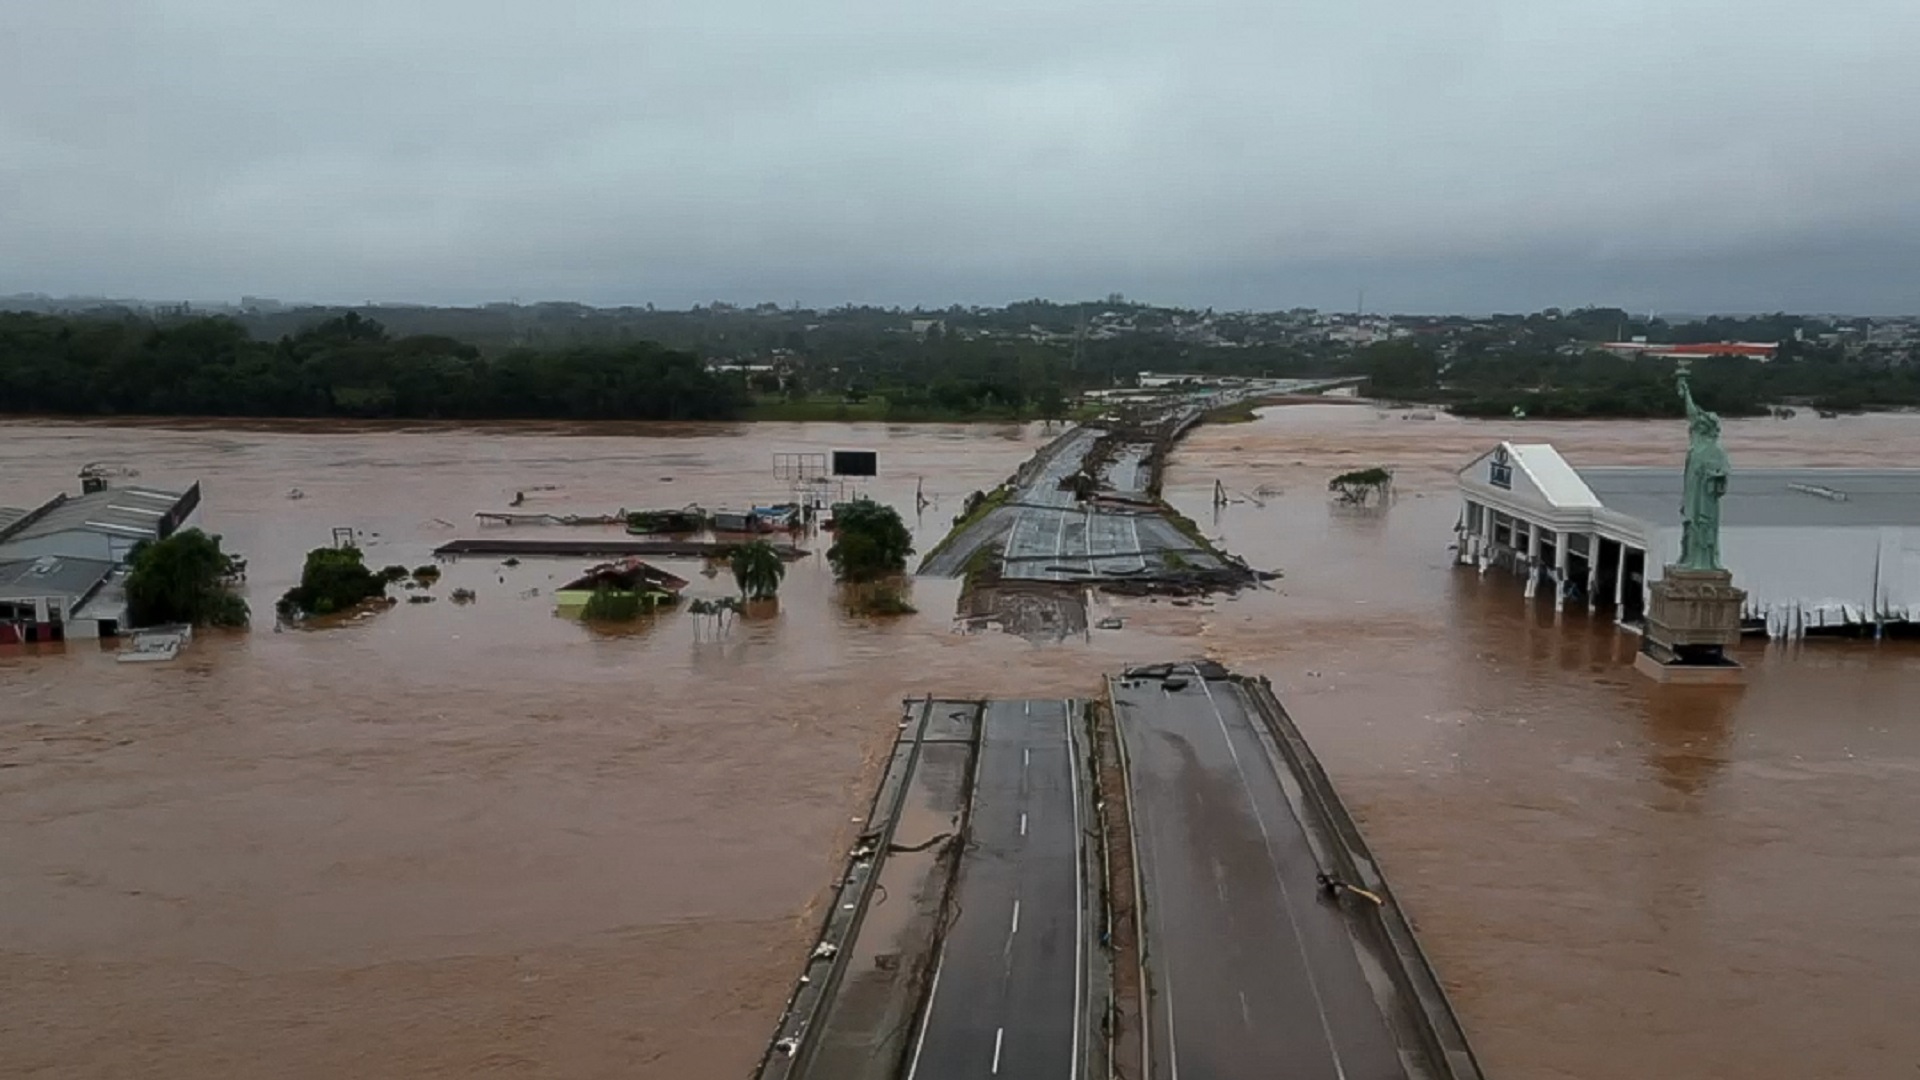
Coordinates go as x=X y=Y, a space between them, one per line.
x=1472 y=154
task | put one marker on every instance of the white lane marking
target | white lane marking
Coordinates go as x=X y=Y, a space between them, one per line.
x=1023 y=824
x=998 y=1033
x=1286 y=897
x=1016 y=919
x=1059 y=533
x=1148 y=914
x=1173 y=1045
x=1079 y=891
x=1026 y=707
x=1026 y=758
x=1246 y=1014
x=927 y=1019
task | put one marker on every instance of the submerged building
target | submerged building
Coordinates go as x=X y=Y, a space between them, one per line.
x=61 y=562
x=1814 y=548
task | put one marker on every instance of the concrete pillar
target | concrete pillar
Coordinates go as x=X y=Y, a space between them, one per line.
x=1559 y=570
x=1469 y=532
x=1620 y=584
x=1533 y=559
x=1593 y=572
x=1486 y=536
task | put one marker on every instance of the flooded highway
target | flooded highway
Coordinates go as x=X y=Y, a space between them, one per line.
x=458 y=840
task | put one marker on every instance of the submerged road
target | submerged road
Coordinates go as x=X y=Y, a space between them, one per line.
x=1254 y=973
x=1007 y=997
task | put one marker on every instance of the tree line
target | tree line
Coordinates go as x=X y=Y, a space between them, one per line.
x=1542 y=384
x=345 y=366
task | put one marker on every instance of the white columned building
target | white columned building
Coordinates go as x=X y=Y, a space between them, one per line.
x=1814 y=548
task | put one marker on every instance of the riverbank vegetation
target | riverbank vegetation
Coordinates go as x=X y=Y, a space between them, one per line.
x=346 y=366
x=1025 y=361
x=1487 y=381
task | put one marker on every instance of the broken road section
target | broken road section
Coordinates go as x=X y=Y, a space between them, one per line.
x=1084 y=513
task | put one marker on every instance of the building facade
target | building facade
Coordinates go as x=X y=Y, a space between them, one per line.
x=61 y=563
x=1815 y=548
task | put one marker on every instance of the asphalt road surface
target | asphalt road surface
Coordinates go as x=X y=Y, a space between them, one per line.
x=1254 y=973
x=1008 y=989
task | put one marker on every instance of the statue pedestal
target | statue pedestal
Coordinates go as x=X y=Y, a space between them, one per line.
x=1693 y=619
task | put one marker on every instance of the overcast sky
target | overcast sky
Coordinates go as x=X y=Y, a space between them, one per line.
x=1471 y=155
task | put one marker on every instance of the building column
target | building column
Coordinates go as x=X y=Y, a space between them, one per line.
x=1620 y=583
x=1486 y=537
x=1469 y=535
x=1559 y=570
x=1533 y=559
x=1593 y=572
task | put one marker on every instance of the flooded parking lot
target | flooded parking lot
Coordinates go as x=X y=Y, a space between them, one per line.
x=457 y=840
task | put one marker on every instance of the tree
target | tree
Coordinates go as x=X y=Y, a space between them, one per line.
x=758 y=570
x=1399 y=368
x=184 y=579
x=1053 y=403
x=870 y=541
x=333 y=579
x=1356 y=486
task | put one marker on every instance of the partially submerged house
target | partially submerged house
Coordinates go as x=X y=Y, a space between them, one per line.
x=61 y=563
x=40 y=598
x=627 y=577
x=1814 y=548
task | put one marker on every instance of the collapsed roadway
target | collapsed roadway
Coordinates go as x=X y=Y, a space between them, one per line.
x=1085 y=512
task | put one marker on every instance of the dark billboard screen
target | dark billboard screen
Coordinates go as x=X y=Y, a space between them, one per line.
x=856 y=463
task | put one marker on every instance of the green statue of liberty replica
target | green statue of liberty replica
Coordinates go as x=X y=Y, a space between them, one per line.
x=1706 y=484
x=1693 y=614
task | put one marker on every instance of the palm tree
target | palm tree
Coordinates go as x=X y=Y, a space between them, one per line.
x=757 y=569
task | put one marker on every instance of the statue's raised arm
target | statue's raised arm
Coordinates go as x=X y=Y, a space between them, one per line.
x=1686 y=395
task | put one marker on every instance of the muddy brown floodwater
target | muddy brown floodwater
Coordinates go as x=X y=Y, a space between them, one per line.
x=482 y=840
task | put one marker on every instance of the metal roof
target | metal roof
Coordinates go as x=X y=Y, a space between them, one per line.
x=1550 y=472
x=133 y=512
x=51 y=575
x=1768 y=497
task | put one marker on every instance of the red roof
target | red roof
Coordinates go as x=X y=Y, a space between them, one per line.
x=1763 y=349
x=1722 y=348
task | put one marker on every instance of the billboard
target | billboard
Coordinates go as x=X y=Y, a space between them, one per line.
x=856 y=463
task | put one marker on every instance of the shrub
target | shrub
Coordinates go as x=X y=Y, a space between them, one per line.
x=879 y=600
x=606 y=605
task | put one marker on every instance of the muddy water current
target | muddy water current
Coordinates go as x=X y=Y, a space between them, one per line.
x=484 y=840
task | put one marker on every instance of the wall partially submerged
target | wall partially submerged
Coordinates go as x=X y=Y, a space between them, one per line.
x=1816 y=577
